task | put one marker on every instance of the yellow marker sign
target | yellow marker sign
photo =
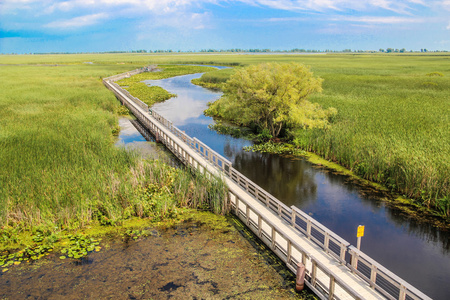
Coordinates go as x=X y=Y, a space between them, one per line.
x=360 y=232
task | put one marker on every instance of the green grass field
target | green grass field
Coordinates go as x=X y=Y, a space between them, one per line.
x=59 y=164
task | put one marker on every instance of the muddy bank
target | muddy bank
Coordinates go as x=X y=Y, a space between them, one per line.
x=202 y=257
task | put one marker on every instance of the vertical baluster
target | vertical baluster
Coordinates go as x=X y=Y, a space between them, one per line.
x=313 y=272
x=402 y=295
x=308 y=228
x=289 y=251
x=342 y=254
x=326 y=242
x=259 y=225
x=247 y=212
x=331 y=290
x=373 y=276
x=273 y=238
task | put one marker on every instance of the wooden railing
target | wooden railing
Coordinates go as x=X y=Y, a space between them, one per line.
x=377 y=276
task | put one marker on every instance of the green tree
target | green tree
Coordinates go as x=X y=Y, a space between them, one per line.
x=271 y=97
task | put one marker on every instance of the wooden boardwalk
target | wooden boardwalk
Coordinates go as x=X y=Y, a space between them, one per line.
x=334 y=268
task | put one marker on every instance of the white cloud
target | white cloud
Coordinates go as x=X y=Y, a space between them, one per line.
x=77 y=22
x=155 y=6
x=379 y=20
x=446 y=4
x=399 y=6
x=191 y=14
x=448 y=26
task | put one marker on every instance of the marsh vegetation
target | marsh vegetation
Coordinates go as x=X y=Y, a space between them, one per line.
x=392 y=121
x=60 y=169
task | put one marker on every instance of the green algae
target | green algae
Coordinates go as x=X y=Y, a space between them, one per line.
x=196 y=254
x=406 y=205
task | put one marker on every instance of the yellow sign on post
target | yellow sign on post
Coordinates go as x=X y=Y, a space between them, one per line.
x=360 y=232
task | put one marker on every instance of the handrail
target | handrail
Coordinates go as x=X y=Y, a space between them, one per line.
x=328 y=235
x=312 y=229
x=376 y=271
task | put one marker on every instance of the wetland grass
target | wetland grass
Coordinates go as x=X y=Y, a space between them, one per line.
x=59 y=166
x=57 y=120
x=392 y=122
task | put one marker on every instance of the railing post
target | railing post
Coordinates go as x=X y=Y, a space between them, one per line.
x=247 y=212
x=259 y=225
x=313 y=272
x=354 y=260
x=289 y=251
x=402 y=295
x=273 y=238
x=342 y=254
x=308 y=228
x=331 y=290
x=373 y=275
x=326 y=241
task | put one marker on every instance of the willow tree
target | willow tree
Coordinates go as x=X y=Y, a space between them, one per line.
x=271 y=97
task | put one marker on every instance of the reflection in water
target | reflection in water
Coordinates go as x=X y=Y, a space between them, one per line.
x=189 y=104
x=281 y=179
x=132 y=139
x=418 y=253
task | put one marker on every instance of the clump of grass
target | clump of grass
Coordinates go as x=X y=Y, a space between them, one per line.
x=149 y=94
x=122 y=110
x=277 y=148
x=214 y=79
x=435 y=74
x=430 y=84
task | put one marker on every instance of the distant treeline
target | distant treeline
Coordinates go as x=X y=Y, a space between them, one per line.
x=239 y=50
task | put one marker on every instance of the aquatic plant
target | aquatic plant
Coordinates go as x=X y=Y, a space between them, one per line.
x=79 y=246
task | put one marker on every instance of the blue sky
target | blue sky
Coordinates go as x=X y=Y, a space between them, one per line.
x=104 y=25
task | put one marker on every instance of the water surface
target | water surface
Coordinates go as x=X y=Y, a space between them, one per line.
x=417 y=252
x=193 y=260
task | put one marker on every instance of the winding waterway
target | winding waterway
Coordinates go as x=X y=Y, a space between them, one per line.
x=416 y=251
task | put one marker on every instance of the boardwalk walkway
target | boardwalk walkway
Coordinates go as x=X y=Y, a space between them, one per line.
x=334 y=268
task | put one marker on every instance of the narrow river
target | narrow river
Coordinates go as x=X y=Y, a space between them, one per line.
x=417 y=252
